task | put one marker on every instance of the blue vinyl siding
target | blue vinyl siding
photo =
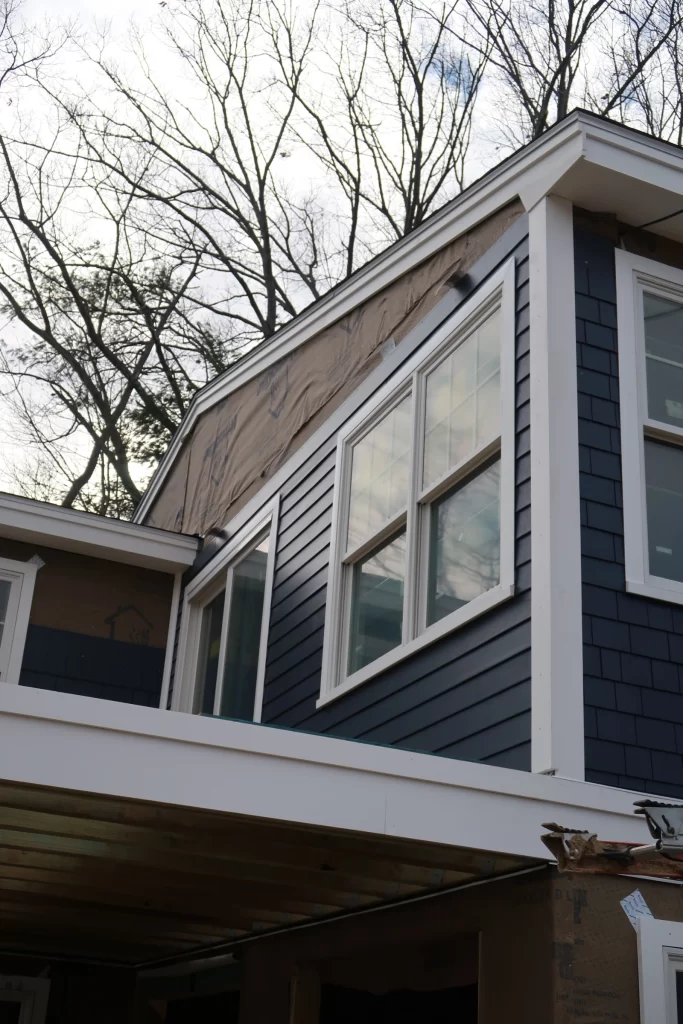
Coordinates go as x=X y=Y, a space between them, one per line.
x=464 y=696
x=92 y=666
x=633 y=646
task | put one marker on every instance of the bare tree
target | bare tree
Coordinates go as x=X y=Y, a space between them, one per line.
x=548 y=56
x=100 y=346
x=199 y=238
x=393 y=127
x=644 y=63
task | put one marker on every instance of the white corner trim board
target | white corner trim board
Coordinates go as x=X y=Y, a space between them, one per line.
x=557 y=731
x=38 y=522
x=241 y=768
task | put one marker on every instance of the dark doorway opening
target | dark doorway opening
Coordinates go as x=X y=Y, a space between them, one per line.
x=340 y=1005
x=220 y=1006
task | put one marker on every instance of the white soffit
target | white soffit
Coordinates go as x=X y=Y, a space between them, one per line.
x=635 y=177
x=86 y=744
x=589 y=160
x=36 y=522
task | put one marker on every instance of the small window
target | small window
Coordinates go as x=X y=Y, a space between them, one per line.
x=226 y=616
x=650 y=316
x=17 y=581
x=660 y=971
x=424 y=496
x=23 y=1000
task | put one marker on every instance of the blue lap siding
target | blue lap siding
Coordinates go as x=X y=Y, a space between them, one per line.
x=633 y=646
x=465 y=696
x=92 y=666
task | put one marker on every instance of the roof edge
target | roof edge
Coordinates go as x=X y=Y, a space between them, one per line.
x=518 y=176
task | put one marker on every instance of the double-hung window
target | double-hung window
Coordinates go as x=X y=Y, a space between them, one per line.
x=17 y=580
x=650 y=323
x=226 y=616
x=423 y=519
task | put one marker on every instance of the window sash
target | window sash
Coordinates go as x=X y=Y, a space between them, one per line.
x=495 y=295
x=21 y=577
x=218 y=576
x=636 y=276
x=225 y=627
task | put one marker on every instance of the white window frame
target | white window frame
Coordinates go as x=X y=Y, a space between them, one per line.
x=636 y=274
x=31 y=993
x=496 y=293
x=216 y=576
x=660 y=948
x=22 y=577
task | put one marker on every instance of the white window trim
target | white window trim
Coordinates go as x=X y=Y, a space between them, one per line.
x=497 y=292
x=634 y=274
x=660 y=944
x=213 y=578
x=32 y=993
x=22 y=575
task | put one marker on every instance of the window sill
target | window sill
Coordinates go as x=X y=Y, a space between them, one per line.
x=658 y=588
x=480 y=605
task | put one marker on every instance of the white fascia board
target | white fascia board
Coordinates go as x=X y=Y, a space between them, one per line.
x=101 y=747
x=36 y=522
x=528 y=175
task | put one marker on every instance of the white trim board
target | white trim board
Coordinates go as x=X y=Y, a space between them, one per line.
x=557 y=729
x=568 y=159
x=36 y=522
x=142 y=753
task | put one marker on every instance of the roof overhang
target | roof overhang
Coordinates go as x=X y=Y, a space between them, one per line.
x=595 y=163
x=174 y=799
x=37 y=522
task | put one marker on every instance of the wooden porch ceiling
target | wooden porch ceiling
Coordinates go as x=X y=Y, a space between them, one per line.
x=131 y=882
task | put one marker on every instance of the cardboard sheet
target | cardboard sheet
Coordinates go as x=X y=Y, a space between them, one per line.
x=240 y=442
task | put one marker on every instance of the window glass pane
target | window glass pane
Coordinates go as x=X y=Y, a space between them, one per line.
x=379 y=474
x=464 y=543
x=664 y=359
x=209 y=651
x=463 y=401
x=10 y=1011
x=679 y=997
x=244 y=634
x=5 y=587
x=377 y=603
x=664 y=498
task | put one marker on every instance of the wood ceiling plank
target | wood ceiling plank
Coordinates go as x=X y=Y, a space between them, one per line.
x=188 y=897
x=250 y=849
x=211 y=825
x=363 y=889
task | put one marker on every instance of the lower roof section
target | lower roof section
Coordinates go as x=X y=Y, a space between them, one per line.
x=131 y=834
x=119 y=750
x=133 y=882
